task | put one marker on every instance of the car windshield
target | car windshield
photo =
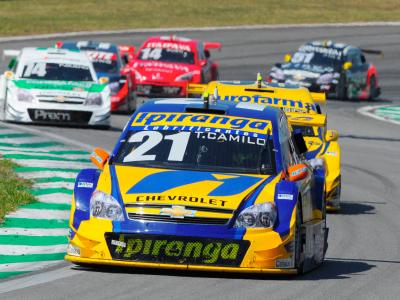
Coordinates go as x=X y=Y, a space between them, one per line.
x=56 y=71
x=104 y=62
x=315 y=60
x=201 y=151
x=167 y=55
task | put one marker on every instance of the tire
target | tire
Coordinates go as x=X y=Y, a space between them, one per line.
x=372 y=88
x=298 y=261
x=341 y=91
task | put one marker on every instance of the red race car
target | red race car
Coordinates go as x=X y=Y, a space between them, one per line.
x=164 y=66
x=111 y=61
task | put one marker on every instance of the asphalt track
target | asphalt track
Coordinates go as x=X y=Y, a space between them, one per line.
x=363 y=259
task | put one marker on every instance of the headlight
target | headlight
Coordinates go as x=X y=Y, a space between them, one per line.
x=94 y=99
x=104 y=206
x=25 y=96
x=114 y=87
x=185 y=77
x=325 y=78
x=260 y=215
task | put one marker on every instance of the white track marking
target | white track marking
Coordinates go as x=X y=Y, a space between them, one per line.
x=366 y=111
x=44 y=163
x=47 y=214
x=58 y=198
x=34 y=231
x=33 y=154
x=51 y=136
x=25 y=140
x=47 y=174
x=27 y=266
x=193 y=29
x=21 y=249
x=36 y=279
x=54 y=185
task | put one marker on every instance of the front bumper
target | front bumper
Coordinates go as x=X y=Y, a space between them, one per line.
x=58 y=114
x=267 y=251
x=157 y=90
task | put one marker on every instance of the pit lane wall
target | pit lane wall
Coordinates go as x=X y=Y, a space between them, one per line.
x=34 y=236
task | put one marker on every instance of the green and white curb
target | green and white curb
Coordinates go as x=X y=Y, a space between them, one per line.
x=385 y=113
x=35 y=236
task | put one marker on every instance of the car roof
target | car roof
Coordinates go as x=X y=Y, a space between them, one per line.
x=54 y=53
x=238 y=109
x=90 y=45
x=290 y=97
x=174 y=40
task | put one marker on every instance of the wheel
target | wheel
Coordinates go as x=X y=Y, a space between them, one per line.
x=341 y=92
x=299 y=242
x=372 y=88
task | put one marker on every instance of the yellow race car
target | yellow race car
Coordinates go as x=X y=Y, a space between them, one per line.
x=201 y=186
x=304 y=114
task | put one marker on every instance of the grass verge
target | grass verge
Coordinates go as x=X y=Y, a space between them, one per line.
x=14 y=191
x=19 y=17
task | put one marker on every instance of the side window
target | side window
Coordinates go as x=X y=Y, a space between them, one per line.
x=355 y=57
x=363 y=60
x=286 y=144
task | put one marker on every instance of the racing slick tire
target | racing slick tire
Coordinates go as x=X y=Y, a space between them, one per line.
x=373 y=89
x=341 y=90
x=298 y=241
x=130 y=103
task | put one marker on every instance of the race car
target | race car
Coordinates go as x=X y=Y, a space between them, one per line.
x=304 y=114
x=54 y=86
x=166 y=64
x=198 y=185
x=111 y=61
x=339 y=70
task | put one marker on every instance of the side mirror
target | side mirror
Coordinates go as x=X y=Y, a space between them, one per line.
x=299 y=142
x=125 y=59
x=331 y=135
x=9 y=74
x=288 y=58
x=347 y=65
x=12 y=63
x=103 y=80
x=297 y=172
x=99 y=157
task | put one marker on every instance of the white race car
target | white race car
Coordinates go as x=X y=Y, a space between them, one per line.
x=53 y=86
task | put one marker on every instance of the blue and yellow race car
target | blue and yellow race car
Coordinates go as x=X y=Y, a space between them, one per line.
x=196 y=185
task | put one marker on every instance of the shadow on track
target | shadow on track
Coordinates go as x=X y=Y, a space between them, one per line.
x=356 y=208
x=331 y=269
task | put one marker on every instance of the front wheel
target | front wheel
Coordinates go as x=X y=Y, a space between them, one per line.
x=341 y=91
x=373 y=90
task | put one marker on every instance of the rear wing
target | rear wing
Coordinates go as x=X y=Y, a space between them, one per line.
x=371 y=51
x=195 y=88
x=318 y=97
x=11 y=53
x=212 y=45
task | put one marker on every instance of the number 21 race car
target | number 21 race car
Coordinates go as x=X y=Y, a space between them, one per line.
x=201 y=186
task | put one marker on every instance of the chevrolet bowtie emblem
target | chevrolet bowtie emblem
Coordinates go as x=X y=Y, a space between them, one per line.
x=177 y=212
x=60 y=98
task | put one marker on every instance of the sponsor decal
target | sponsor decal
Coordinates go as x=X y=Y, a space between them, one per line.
x=101 y=57
x=223 y=137
x=331 y=153
x=83 y=184
x=169 y=45
x=280 y=102
x=180 y=250
x=285 y=197
x=284 y=263
x=188 y=199
x=201 y=121
x=42 y=115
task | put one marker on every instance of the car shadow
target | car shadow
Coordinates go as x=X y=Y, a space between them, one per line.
x=330 y=269
x=355 y=208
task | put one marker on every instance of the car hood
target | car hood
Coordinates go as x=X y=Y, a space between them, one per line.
x=161 y=72
x=182 y=187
